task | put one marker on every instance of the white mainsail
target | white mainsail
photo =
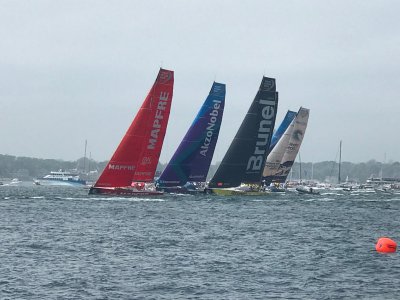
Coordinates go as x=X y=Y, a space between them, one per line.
x=274 y=159
x=296 y=138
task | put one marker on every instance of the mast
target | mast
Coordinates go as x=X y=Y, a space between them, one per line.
x=90 y=158
x=300 y=167
x=84 y=158
x=384 y=161
x=340 y=159
x=312 y=171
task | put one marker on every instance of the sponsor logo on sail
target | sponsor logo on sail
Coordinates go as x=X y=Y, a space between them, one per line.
x=159 y=116
x=142 y=173
x=121 y=167
x=164 y=76
x=298 y=135
x=146 y=161
x=255 y=162
x=210 y=127
x=268 y=84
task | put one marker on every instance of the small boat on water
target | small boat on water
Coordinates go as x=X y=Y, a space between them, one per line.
x=60 y=177
x=15 y=181
x=307 y=190
x=131 y=169
x=276 y=188
x=384 y=190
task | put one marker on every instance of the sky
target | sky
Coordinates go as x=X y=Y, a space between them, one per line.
x=72 y=71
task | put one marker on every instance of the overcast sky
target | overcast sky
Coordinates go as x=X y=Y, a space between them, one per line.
x=77 y=70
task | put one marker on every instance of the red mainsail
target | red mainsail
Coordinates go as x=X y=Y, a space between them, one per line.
x=138 y=153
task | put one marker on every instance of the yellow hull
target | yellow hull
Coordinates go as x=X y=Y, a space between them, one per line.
x=233 y=192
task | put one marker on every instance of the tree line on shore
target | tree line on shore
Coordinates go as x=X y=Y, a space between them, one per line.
x=27 y=168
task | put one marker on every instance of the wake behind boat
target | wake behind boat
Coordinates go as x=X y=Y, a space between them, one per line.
x=131 y=169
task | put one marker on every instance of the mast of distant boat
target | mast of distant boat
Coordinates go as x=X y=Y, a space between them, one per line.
x=90 y=158
x=384 y=161
x=312 y=171
x=300 y=167
x=84 y=158
x=340 y=160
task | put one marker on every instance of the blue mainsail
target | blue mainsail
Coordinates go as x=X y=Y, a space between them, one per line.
x=290 y=115
x=191 y=161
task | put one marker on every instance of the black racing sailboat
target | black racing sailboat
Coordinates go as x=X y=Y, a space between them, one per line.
x=241 y=168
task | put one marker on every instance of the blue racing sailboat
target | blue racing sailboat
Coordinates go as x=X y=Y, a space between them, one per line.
x=187 y=170
x=290 y=115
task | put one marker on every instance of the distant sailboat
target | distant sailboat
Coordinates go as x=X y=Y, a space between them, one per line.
x=187 y=170
x=244 y=161
x=340 y=163
x=132 y=167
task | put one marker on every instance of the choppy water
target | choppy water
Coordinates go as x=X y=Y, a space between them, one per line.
x=60 y=243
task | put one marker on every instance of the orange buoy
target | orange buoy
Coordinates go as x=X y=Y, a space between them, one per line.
x=386 y=245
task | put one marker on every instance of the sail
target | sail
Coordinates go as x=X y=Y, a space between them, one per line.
x=138 y=153
x=191 y=161
x=290 y=115
x=299 y=129
x=245 y=158
x=274 y=158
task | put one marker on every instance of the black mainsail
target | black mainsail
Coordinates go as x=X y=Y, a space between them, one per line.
x=245 y=159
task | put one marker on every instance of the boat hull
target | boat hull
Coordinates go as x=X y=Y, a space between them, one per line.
x=53 y=182
x=304 y=190
x=274 y=189
x=123 y=191
x=181 y=190
x=234 y=192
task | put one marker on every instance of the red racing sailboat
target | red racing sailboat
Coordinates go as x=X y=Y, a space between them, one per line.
x=132 y=167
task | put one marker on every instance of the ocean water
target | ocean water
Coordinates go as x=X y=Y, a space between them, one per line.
x=60 y=243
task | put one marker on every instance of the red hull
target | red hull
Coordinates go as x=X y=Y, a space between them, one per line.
x=122 y=192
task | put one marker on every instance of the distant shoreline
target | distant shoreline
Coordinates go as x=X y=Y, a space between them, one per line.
x=28 y=168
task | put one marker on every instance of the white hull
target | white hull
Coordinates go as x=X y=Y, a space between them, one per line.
x=57 y=183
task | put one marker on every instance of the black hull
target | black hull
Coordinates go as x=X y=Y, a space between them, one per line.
x=122 y=192
x=180 y=190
